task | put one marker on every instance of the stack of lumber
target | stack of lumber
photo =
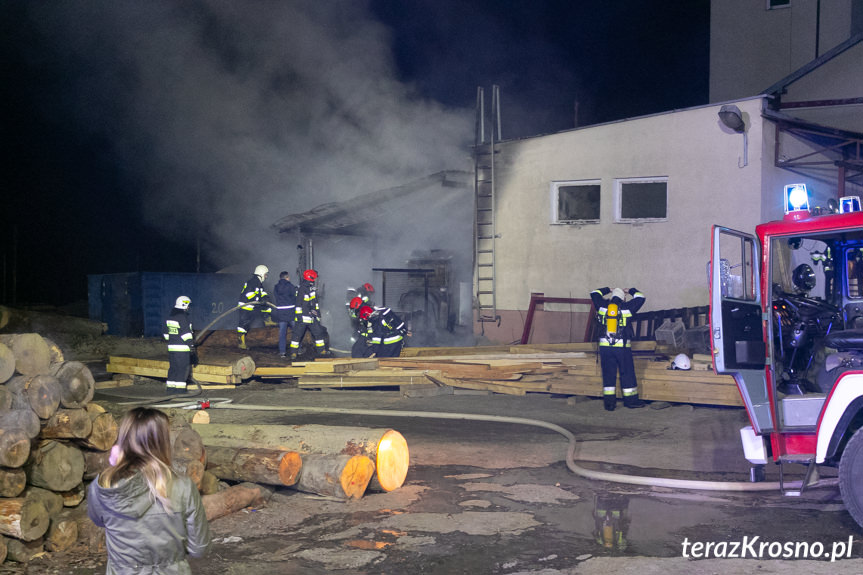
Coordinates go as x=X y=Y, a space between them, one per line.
x=51 y=438
x=564 y=369
x=216 y=371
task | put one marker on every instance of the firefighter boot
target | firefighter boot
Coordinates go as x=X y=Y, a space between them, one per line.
x=633 y=402
x=610 y=401
x=242 y=337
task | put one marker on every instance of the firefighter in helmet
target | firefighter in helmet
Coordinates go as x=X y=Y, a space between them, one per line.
x=181 y=345
x=614 y=314
x=386 y=331
x=253 y=303
x=308 y=316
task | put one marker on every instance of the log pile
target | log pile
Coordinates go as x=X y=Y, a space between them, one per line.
x=51 y=439
x=561 y=369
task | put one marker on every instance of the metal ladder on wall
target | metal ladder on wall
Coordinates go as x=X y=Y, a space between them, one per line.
x=487 y=137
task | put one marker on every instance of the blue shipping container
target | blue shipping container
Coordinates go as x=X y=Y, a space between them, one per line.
x=135 y=304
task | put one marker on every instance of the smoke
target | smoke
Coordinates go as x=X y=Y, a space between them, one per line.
x=222 y=117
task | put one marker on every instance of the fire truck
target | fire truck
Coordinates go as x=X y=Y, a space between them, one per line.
x=786 y=321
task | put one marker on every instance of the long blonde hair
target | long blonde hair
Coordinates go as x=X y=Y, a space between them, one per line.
x=144 y=441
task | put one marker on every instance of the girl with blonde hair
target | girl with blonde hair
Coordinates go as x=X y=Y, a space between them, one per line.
x=153 y=517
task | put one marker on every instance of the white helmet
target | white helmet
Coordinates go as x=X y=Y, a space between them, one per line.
x=617 y=293
x=681 y=361
x=262 y=271
x=182 y=302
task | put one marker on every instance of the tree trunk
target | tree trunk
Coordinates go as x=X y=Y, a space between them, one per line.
x=88 y=532
x=235 y=498
x=191 y=468
x=14 y=447
x=386 y=447
x=62 y=533
x=32 y=355
x=209 y=484
x=23 y=518
x=7 y=363
x=41 y=393
x=68 y=424
x=74 y=497
x=55 y=466
x=23 y=551
x=95 y=462
x=24 y=419
x=3 y=541
x=12 y=319
x=77 y=385
x=342 y=476
x=52 y=501
x=104 y=430
x=12 y=482
x=268 y=466
x=186 y=443
x=54 y=351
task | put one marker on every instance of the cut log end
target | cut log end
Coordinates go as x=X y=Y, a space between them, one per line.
x=290 y=467
x=356 y=476
x=392 y=460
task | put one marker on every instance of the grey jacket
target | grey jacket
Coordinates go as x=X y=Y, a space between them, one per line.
x=141 y=536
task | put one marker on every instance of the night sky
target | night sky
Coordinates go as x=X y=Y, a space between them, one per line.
x=134 y=132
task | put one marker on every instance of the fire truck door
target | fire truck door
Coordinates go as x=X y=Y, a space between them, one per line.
x=736 y=320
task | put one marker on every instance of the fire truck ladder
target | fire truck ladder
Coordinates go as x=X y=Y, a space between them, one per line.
x=485 y=148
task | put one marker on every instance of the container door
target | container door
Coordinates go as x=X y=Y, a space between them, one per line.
x=736 y=320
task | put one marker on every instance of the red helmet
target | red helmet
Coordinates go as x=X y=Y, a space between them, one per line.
x=356 y=302
x=369 y=288
x=310 y=275
x=365 y=312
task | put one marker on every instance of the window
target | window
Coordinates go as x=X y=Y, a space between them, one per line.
x=773 y=4
x=641 y=200
x=575 y=202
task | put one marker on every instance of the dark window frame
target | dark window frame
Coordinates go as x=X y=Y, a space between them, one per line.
x=619 y=184
x=555 y=201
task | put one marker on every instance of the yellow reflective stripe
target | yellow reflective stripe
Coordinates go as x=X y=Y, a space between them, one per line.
x=394 y=339
x=178 y=347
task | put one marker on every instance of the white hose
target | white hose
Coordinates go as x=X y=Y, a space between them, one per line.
x=570 y=452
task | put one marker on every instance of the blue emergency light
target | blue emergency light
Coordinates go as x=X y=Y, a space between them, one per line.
x=849 y=204
x=796 y=198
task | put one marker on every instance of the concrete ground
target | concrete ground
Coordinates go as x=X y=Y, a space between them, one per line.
x=498 y=498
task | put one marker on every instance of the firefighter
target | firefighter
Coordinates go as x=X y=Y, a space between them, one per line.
x=361 y=346
x=386 y=331
x=307 y=316
x=253 y=300
x=285 y=294
x=614 y=314
x=181 y=345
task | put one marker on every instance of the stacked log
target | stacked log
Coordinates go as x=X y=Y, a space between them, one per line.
x=51 y=438
x=339 y=462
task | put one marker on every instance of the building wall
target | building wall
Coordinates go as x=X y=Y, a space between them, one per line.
x=752 y=47
x=667 y=260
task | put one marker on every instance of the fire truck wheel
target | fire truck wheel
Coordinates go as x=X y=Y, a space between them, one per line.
x=851 y=476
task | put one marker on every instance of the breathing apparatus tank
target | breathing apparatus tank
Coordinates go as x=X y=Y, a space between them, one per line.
x=611 y=318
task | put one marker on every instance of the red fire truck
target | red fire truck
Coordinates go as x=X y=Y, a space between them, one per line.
x=787 y=322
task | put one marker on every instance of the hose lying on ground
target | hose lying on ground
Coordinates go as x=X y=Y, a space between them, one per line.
x=570 y=453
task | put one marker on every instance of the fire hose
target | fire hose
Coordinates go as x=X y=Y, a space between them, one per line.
x=672 y=483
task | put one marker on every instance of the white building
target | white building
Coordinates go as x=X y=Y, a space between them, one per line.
x=631 y=203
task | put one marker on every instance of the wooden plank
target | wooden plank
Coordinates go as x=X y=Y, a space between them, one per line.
x=163 y=373
x=163 y=364
x=279 y=372
x=337 y=365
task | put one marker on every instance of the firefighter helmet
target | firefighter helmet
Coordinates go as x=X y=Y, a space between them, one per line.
x=182 y=302
x=262 y=271
x=617 y=293
x=310 y=275
x=369 y=287
x=356 y=302
x=366 y=312
x=681 y=361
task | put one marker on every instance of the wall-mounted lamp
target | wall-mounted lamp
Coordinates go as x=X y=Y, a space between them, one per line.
x=732 y=118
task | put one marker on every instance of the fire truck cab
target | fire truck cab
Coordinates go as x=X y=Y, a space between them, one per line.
x=786 y=320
